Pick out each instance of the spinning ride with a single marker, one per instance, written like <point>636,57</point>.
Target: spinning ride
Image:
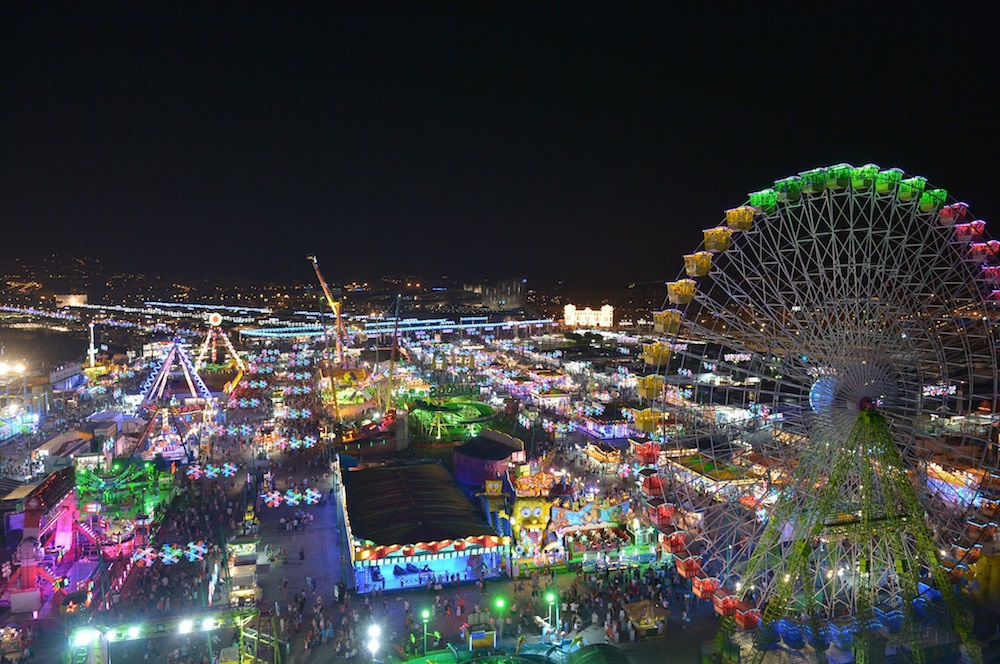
<point>177,418</point>
<point>828,369</point>
<point>448,420</point>
<point>208,354</point>
<point>158,387</point>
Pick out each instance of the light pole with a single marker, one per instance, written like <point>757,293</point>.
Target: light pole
<point>551,597</point>
<point>374,632</point>
<point>500,603</point>
<point>10,373</point>
<point>425,615</point>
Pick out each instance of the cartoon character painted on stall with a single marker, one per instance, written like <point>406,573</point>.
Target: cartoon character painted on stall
<point>530,522</point>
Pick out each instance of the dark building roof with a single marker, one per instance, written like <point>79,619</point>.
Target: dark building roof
<point>410,504</point>
<point>479,447</point>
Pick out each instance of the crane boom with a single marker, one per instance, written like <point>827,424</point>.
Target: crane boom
<point>334,304</point>
<point>392,357</point>
<point>335,308</point>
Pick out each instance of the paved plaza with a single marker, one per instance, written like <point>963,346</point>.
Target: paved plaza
<point>317,558</point>
<point>326,563</point>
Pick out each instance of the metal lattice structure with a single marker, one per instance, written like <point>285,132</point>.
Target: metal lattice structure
<point>209,351</point>
<point>835,290</point>
<point>154,388</point>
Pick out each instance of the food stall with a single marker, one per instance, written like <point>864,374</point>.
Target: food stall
<point>646,618</point>
<point>11,642</point>
<point>231,655</point>
<point>243,550</point>
<point>243,588</point>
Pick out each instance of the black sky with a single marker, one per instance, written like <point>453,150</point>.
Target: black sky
<point>586,142</point>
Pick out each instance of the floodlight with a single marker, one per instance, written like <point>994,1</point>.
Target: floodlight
<point>133,632</point>
<point>374,631</point>
<point>207,624</point>
<point>84,637</point>
<point>185,626</point>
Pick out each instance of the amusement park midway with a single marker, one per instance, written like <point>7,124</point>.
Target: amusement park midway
<point>305,571</point>
<point>793,459</point>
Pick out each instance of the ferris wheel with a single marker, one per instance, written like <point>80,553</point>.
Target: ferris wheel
<point>826,373</point>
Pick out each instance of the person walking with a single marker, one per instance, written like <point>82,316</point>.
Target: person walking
<point>302,554</point>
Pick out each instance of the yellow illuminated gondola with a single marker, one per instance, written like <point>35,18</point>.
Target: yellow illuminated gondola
<point>680,292</point>
<point>718,239</point>
<point>667,321</point>
<point>740,219</point>
<point>698,264</point>
<point>649,387</point>
<point>656,353</point>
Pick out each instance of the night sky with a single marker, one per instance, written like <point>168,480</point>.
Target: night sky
<point>550,140</point>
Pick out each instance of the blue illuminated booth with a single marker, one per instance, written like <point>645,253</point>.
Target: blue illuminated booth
<point>410,526</point>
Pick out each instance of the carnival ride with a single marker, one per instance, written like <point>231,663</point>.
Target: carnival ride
<point>208,354</point>
<point>449,420</point>
<point>175,423</point>
<point>157,388</point>
<point>830,353</point>
<point>72,522</point>
<point>168,435</point>
<point>50,502</point>
<point>353,391</point>
<point>121,503</point>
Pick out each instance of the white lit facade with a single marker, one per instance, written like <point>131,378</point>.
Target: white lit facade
<point>587,317</point>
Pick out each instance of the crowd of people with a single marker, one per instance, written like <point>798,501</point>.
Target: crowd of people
<point>15,463</point>
<point>199,514</point>
<point>325,616</point>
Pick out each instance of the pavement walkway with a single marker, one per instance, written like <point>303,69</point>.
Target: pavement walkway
<point>326,562</point>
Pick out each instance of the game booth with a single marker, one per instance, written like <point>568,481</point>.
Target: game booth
<point>535,545</point>
<point>410,526</point>
<point>536,494</point>
<point>528,484</point>
<point>593,535</point>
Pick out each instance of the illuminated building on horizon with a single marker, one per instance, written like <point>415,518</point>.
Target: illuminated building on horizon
<point>587,317</point>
